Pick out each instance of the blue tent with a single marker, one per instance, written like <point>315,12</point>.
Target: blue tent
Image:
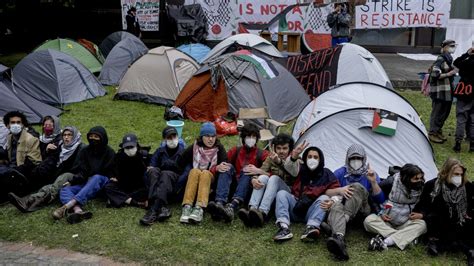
<point>196,50</point>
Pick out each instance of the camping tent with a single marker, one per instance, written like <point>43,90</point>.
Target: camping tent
<point>75,50</point>
<point>55,78</point>
<point>157,77</point>
<point>248,41</point>
<point>110,41</point>
<point>322,69</point>
<point>231,82</point>
<point>119,59</point>
<point>93,48</point>
<point>15,100</point>
<point>345,115</point>
<point>196,50</point>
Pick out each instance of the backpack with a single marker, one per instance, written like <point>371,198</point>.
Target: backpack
<point>173,113</point>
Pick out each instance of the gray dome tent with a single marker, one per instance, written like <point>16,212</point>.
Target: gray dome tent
<point>14,100</point>
<point>110,41</point>
<point>119,59</point>
<point>344,116</point>
<point>55,78</point>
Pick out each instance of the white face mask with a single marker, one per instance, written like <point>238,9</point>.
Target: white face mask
<point>15,129</point>
<point>312,164</point>
<point>130,152</point>
<point>250,142</point>
<point>173,143</point>
<point>451,50</point>
<point>456,180</point>
<point>355,164</point>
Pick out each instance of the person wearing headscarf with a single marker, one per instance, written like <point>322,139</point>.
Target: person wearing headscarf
<point>50,137</point>
<point>357,181</point>
<point>308,202</point>
<point>447,206</point>
<point>70,147</point>
<point>397,224</point>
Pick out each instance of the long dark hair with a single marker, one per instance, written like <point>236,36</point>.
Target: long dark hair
<point>318,172</point>
<point>408,171</point>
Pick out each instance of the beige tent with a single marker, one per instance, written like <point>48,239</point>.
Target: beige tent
<point>157,77</point>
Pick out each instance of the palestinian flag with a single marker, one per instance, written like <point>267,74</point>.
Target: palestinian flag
<point>384,122</point>
<point>263,66</point>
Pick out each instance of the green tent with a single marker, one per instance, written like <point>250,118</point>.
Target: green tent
<point>75,50</point>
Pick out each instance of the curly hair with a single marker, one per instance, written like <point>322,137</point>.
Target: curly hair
<point>282,139</point>
<point>249,130</point>
<point>6,118</point>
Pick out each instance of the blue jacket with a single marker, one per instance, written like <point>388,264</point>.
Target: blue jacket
<point>162,160</point>
<point>344,181</point>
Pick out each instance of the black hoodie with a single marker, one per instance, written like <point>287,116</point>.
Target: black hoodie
<point>94,159</point>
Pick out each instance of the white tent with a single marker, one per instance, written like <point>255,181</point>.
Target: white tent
<point>245,39</point>
<point>344,115</point>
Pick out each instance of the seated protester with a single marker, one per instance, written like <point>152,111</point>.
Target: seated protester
<point>246,161</point>
<point>357,181</point>
<point>94,166</point>
<point>162,177</point>
<point>23,154</point>
<point>3,134</point>
<point>208,158</point>
<point>127,187</point>
<point>69,148</point>
<point>279,171</point>
<point>398,224</point>
<point>307,203</point>
<point>49,140</point>
<point>447,206</point>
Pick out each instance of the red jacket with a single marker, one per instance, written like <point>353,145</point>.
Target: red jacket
<point>246,156</point>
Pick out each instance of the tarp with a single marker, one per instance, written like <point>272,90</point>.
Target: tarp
<point>321,70</point>
<point>196,50</point>
<point>74,49</point>
<point>189,21</point>
<point>344,115</point>
<point>55,78</point>
<point>231,82</point>
<point>119,59</point>
<point>157,77</point>
<point>112,39</point>
<point>246,40</point>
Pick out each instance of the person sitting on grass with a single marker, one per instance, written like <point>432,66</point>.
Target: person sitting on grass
<point>69,148</point>
<point>397,224</point>
<point>245,160</point>
<point>447,206</point>
<point>279,171</point>
<point>307,203</point>
<point>162,177</point>
<point>94,166</point>
<point>51,137</point>
<point>208,158</point>
<point>127,187</point>
<point>357,180</point>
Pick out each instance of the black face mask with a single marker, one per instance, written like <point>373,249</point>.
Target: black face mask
<point>94,142</point>
<point>417,185</point>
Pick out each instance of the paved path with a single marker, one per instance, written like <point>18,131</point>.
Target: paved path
<point>26,253</point>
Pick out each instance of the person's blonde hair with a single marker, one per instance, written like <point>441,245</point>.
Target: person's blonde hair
<point>447,169</point>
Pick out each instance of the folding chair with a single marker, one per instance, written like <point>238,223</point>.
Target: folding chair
<point>271,127</point>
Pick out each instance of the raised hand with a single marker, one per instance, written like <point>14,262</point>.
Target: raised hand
<point>299,149</point>
<point>371,176</point>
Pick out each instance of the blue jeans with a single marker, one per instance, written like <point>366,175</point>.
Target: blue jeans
<point>83,193</point>
<point>284,210</point>
<point>262,199</point>
<point>225,180</point>
<point>338,40</point>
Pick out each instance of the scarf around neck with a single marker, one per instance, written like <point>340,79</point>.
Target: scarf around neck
<point>455,199</point>
<point>204,159</point>
<point>68,150</point>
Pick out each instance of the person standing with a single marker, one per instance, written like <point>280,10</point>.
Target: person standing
<point>339,21</point>
<point>133,26</point>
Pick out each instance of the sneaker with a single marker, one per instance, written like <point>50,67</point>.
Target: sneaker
<point>283,234</point>
<point>432,248</point>
<point>256,217</point>
<point>326,229</point>
<point>227,213</point>
<point>60,212</point>
<point>243,215</point>
<point>196,215</point>
<point>457,146</point>
<point>165,214</point>
<point>187,209</point>
<point>377,244</point>
<point>337,247</point>
<point>311,233</point>
<point>441,136</point>
<point>213,209</point>
<point>149,218</point>
<point>435,138</point>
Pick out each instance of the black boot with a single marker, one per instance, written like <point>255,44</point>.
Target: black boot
<point>22,204</point>
<point>457,146</point>
<point>337,246</point>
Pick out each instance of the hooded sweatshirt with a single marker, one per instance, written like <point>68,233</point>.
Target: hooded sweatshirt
<point>54,138</point>
<point>94,159</point>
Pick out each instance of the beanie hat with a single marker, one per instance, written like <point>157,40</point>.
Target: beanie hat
<point>207,129</point>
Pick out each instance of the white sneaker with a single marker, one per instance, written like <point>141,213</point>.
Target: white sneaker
<point>187,209</point>
<point>196,215</point>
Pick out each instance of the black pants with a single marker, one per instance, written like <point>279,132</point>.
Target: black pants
<point>160,185</point>
<point>118,193</point>
<point>449,233</point>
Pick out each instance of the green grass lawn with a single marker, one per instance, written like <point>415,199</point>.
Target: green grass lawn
<point>116,233</point>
